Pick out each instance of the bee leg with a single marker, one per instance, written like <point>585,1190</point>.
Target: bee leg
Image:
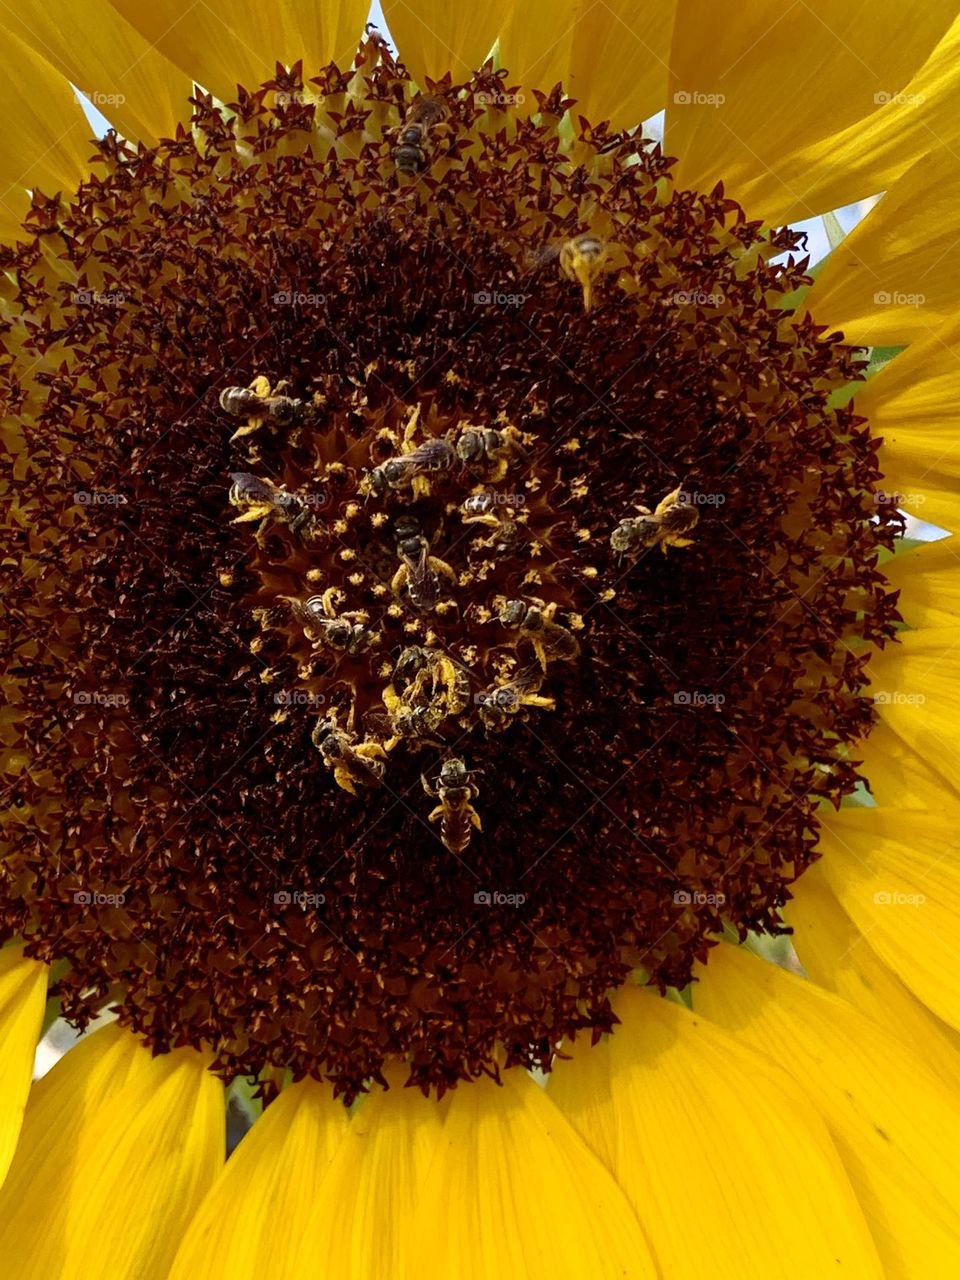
<point>342,778</point>
<point>666,503</point>
<point>399,580</point>
<point>501,469</point>
<point>431,791</point>
<point>441,566</point>
<point>437,813</point>
<point>475,819</point>
<point>259,512</point>
<point>420,486</point>
<point>541,653</point>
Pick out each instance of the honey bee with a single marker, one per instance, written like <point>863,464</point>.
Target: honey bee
<point>260,499</point>
<point>243,402</point>
<point>489,448</point>
<point>582,259</point>
<point>485,507</point>
<point>401,472</point>
<point>499,703</point>
<point>436,687</point>
<point>455,811</point>
<point>353,763</point>
<point>535,623</point>
<point>420,572</point>
<point>667,526</point>
<point>320,621</point>
<point>410,153</point>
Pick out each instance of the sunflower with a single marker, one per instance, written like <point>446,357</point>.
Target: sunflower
<point>473,716</point>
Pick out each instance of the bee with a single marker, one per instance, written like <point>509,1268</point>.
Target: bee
<point>410,153</point>
<point>260,499</point>
<point>667,526</point>
<point>582,259</point>
<point>412,660</point>
<point>535,623</point>
<point>455,811</point>
<point>486,447</point>
<point>420,572</point>
<point>437,688</point>
<point>485,507</point>
<point>243,402</point>
<point>353,763</point>
<point>499,703</point>
<point>401,472</point>
<point>320,621</point>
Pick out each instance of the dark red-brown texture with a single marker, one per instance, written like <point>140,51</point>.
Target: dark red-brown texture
<point>717,693</point>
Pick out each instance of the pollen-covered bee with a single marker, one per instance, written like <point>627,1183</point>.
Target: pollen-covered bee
<point>320,621</point>
<point>535,623</point>
<point>260,499</point>
<point>402,471</point>
<point>456,814</point>
<point>353,763</point>
<point>420,573</point>
<point>244,402</point>
<point>483,446</point>
<point>667,526</point>
<point>435,687</point>
<point>582,259</point>
<point>499,703</point>
<point>487,508</point>
<point>410,153</point>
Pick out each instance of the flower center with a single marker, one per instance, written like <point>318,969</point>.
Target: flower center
<point>441,584</point>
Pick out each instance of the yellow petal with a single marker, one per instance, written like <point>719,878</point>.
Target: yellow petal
<point>434,36</point>
<point>514,1192</point>
<point>45,138</point>
<point>117,1150</point>
<point>869,155</point>
<point>249,1225</point>
<point>896,277</point>
<point>375,1176</point>
<point>222,44</point>
<point>710,1140</point>
<point>839,958</point>
<point>139,91</point>
<point>611,57</point>
<point>928,579</point>
<point>915,685</point>
<point>897,1127</point>
<point>23,993</point>
<point>753,86</point>
<point>901,777</point>
<point>913,403</point>
<point>897,875</point>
